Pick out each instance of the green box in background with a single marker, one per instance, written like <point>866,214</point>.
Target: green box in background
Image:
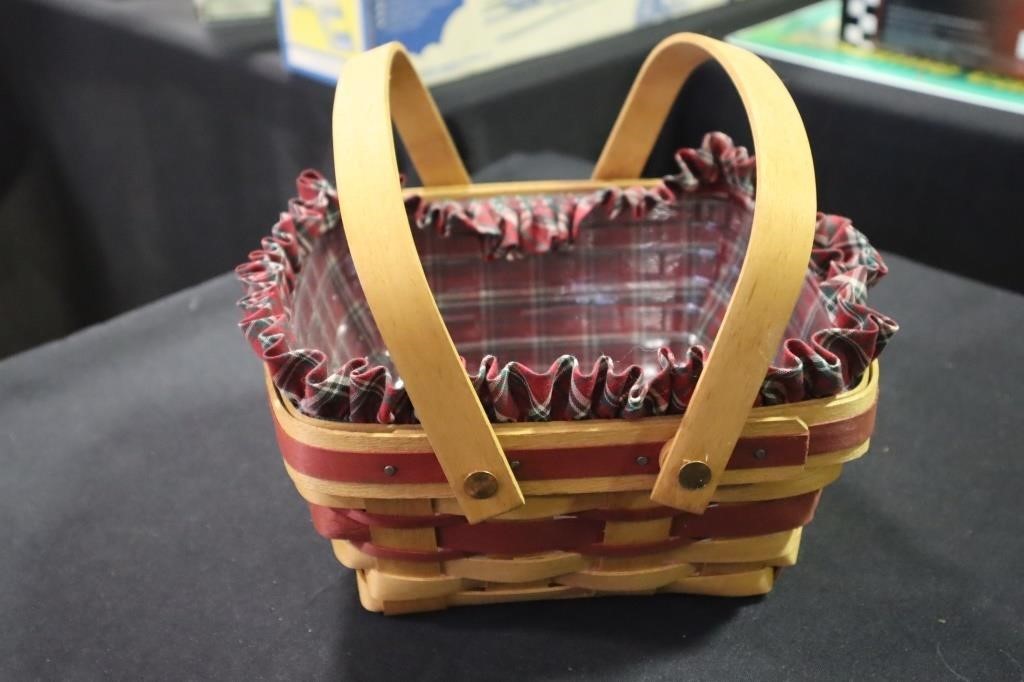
<point>811,37</point>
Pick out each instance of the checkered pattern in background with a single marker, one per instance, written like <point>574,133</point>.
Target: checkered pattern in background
<point>582,296</point>
<point>861,21</point>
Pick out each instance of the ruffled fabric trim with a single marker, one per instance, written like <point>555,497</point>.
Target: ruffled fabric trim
<point>842,262</point>
<point>512,227</point>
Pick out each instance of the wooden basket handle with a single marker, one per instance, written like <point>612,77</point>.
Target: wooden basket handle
<point>776,261</point>
<point>389,269</point>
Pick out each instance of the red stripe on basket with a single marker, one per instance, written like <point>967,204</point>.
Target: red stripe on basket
<point>581,533</point>
<point>357,467</point>
<point>521,537</point>
<point>396,521</point>
<point>754,518</point>
<point>769,451</point>
<point>335,524</point>
<point>567,463</point>
<point>840,435</point>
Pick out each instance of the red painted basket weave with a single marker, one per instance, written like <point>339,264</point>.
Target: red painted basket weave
<point>582,315</point>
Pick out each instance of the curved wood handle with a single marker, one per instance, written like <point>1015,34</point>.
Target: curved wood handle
<point>389,269</point>
<point>776,261</point>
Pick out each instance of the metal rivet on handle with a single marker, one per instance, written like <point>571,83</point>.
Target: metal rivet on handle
<point>642,460</point>
<point>694,475</point>
<point>760,453</point>
<point>480,485</point>
<point>390,470</point>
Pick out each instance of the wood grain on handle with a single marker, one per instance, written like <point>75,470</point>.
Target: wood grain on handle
<point>776,261</point>
<point>389,269</point>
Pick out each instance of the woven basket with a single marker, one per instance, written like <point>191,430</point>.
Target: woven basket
<point>443,506</point>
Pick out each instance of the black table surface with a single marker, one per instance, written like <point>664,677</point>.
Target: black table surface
<point>149,529</point>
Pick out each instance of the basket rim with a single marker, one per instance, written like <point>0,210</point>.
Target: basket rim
<point>846,405</point>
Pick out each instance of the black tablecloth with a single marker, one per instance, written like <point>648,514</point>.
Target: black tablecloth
<point>149,529</point>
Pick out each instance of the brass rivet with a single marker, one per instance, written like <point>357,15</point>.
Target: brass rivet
<point>480,485</point>
<point>642,460</point>
<point>760,453</point>
<point>694,475</point>
<point>390,470</point>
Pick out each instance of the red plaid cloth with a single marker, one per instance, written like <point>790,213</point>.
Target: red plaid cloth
<point>587,292</point>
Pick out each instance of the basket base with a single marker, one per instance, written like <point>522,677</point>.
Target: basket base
<point>741,567</point>
<point>744,584</point>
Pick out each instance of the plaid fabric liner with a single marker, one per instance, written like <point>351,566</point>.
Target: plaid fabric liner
<point>593,289</point>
